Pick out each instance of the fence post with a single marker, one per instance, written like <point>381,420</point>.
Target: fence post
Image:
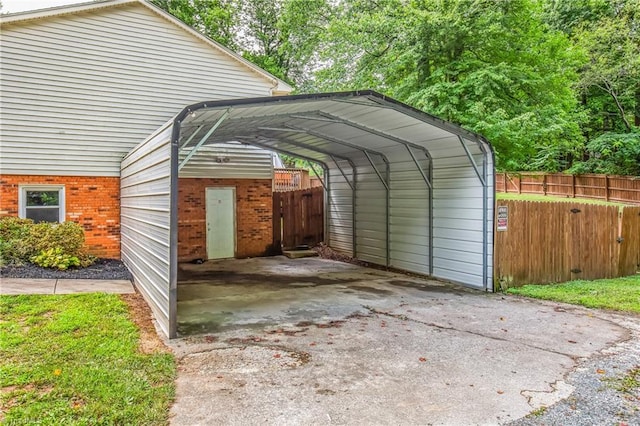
<point>544,184</point>
<point>520,184</point>
<point>573,186</point>
<point>606,187</point>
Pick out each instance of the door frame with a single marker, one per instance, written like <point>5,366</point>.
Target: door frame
<point>235,221</point>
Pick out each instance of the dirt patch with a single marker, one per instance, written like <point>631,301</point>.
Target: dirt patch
<point>140,315</point>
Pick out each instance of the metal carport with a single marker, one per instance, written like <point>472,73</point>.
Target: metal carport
<point>404,189</point>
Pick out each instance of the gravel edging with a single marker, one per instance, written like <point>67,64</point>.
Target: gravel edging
<point>102,269</point>
<point>597,399</point>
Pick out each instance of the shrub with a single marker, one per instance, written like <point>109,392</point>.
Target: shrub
<point>13,240</point>
<point>52,245</point>
<point>68,236</point>
<point>55,258</point>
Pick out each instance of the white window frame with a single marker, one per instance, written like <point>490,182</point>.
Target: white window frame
<point>22,198</point>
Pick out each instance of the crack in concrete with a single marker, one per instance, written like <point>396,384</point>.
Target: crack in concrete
<point>555,389</point>
<point>475,333</point>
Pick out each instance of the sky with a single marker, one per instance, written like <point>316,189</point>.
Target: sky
<point>12,6</point>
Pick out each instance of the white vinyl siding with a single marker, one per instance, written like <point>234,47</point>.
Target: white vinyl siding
<point>80,91</point>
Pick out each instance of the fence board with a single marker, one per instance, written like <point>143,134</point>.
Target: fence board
<point>556,242</point>
<point>630,241</point>
<point>298,217</point>
<point>624,189</point>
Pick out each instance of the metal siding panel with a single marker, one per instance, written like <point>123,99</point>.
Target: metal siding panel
<point>340,212</point>
<point>145,199</point>
<point>99,83</point>
<point>244,162</point>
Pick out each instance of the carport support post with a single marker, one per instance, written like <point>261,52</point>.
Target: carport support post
<point>353,201</point>
<point>483,177</point>
<point>427,180</point>
<point>385,182</point>
<point>485,218</point>
<point>173,232</point>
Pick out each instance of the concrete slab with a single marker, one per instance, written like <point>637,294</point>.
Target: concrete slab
<point>312,341</point>
<point>16,286</point>
<point>72,286</point>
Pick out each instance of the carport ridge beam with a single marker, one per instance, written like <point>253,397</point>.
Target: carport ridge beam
<point>204,139</point>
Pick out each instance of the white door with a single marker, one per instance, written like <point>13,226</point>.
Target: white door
<point>221,223</point>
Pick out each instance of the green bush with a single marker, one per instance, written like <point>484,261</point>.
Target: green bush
<point>55,258</point>
<point>52,245</point>
<point>14,232</point>
<point>68,236</point>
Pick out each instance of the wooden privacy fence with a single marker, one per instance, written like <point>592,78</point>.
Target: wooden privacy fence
<point>298,217</point>
<point>293,179</point>
<point>625,189</point>
<point>542,242</point>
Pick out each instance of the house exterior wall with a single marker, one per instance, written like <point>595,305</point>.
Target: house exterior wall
<point>254,212</point>
<point>79,91</point>
<point>93,202</point>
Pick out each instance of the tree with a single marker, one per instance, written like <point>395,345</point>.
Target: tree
<point>217,19</point>
<point>280,36</point>
<point>609,82</point>
<point>493,67</point>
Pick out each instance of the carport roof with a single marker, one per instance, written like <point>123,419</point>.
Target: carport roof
<point>322,127</point>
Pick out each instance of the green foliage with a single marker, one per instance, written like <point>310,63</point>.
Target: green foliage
<point>13,234</point>
<point>74,360</point>
<point>50,245</point>
<point>217,19</point>
<point>492,67</point>
<point>612,153</point>
<point>545,81</point>
<point>620,294</point>
<point>55,258</point>
<point>68,236</point>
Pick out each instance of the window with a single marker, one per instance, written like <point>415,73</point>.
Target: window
<point>42,203</point>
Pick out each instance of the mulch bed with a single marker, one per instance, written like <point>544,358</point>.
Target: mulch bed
<point>102,269</point>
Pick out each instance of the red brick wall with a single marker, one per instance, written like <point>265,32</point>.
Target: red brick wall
<point>254,209</point>
<point>93,202</point>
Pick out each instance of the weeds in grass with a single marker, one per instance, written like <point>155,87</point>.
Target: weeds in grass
<point>74,359</point>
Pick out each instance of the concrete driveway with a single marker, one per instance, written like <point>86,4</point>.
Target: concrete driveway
<point>312,341</point>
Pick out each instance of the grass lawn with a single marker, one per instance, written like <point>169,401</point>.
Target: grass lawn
<point>77,359</point>
<point>620,294</point>
<point>552,198</point>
